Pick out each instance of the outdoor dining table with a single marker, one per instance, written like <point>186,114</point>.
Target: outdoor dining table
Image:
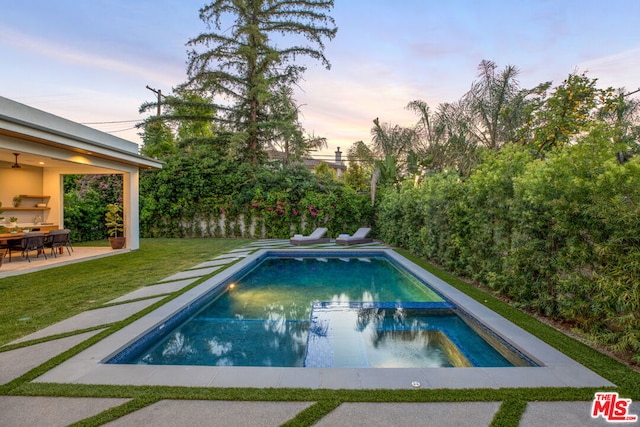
<point>17,236</point>
<point>6,237</point>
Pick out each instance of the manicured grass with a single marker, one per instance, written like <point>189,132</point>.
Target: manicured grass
<point>161,257</point>
<point>33,301</point>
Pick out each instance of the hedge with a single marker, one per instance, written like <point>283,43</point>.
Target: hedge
<point>559,235</point>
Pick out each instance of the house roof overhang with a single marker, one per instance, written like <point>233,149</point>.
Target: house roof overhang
<point>28,127</point>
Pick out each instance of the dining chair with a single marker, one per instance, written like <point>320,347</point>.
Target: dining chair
<point>11,246</point>
<point>4,248</point>
<point>58,239</point>
<point>32,242</point>
<point>68,242</point>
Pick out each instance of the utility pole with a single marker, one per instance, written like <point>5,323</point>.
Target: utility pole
<point>160,95</point>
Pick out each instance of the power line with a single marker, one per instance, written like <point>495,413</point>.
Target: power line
<point>107,123</point>
<point>116,131</point>
<point>631,93</point>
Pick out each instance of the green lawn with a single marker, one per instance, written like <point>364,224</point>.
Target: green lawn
<point>49,296</point>
<point>35,300</point>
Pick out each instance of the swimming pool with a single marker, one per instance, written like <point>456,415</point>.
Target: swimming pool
<point>554,369</point>
<point>323,310</point>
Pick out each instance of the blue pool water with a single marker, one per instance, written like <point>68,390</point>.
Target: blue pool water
<point>324,312</point>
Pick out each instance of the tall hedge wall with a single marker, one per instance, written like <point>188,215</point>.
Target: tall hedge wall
<point>559,235</point>
<point>196,196</point>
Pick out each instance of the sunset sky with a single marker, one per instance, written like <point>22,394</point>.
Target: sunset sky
<point>90,61</point>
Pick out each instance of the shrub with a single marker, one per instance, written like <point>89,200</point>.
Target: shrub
<point>559,235</point>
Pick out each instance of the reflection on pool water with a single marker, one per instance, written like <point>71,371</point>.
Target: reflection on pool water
<point>403,335</point>
<point>324,312</point>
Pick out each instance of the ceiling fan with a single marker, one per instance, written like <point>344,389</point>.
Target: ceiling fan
<point>16,165</point>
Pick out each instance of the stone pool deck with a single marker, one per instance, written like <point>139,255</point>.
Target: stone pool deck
<point>60,411</point>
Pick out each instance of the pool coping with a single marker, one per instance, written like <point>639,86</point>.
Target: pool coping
<point>556,370</point>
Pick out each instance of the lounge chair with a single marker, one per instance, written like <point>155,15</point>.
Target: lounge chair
<point>358,237</point>
<point>315,237</point>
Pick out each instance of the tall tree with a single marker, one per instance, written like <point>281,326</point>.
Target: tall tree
<point>186,121</point>
<point>494,112</point>
<point>444,140</point>
<point>391,140</point>
<point>496,105</point>
<point>571,109</point>
<point>249,54</point>
<point>393,147</point>
<point>287,134</point>
<point>356,176</point>
<point>194,115</point>
<point>158,140</point>
<point>622,113</point>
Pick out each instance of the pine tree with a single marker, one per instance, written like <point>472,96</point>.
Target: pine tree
<point>249,56</point>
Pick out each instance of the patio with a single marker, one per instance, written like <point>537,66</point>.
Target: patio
<point>20,265</point>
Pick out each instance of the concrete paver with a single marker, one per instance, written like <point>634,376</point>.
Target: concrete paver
<point>440,414</point>
<point>567,414</point>
<point>21,411</point>
<point>188,274</point>
<point>212,263</point>
<point>15,363</point>
<point>227,258</point>
<point>159,289</point>
<point>240,252</point>
<point>268,244</point>
<point>91,318</point>
<point>171,413</point>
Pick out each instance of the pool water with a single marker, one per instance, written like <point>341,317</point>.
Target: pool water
<point>323,312</point>
<point>394,336</point>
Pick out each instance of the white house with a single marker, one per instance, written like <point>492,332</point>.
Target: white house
<point>46,147</point>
